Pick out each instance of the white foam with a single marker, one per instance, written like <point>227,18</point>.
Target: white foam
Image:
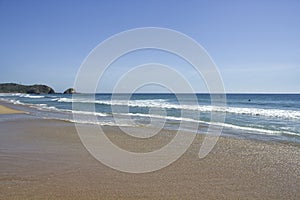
<point>160,117</point>
<point>52,108</point>
<point>31,96</point>
<point>93,123</point>
<point>17,102</point>
<point>227,125</point>
<point>22,95</point>
<point>160,103</point>
<point>224,125</point>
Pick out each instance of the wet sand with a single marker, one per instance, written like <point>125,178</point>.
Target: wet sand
<point>44,159</point>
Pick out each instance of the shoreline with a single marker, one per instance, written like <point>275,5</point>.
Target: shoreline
<point>239,134</point>
<point>44,158</point>
<point>7,110</point>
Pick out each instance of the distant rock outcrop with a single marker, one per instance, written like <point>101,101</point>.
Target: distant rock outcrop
<point>70,91</point>
<point>29,89</point>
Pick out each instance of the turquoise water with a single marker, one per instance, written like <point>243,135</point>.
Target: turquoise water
<point>258,116</point>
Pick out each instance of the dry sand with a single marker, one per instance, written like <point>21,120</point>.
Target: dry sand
<point>44,159</point>
<point>7,110</point>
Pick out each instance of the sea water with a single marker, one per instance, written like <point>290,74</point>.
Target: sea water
<point>256,116</point>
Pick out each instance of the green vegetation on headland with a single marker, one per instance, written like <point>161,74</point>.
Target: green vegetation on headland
<point>30,89</point>
<point>70,91</point>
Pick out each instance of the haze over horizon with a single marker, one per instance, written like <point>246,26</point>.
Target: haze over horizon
<point>255,44</point>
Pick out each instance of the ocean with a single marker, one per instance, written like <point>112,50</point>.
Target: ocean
<point>269,117</point>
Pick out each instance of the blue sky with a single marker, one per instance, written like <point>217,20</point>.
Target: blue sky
<point>255,44</point>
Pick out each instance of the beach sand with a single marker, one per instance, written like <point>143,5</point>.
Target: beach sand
<point>44,159</point>
<point>7,110</point>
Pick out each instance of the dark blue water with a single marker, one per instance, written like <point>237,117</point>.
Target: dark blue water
<point>259,116</point>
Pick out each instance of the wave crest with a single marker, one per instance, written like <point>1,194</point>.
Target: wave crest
<point>161,103</point>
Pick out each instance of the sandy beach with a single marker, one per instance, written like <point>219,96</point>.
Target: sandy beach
<point>44,159</point>
<point>149,100</point>
<point>7,110</point>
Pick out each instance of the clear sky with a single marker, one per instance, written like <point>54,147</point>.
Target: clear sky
<point>255,44</point>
